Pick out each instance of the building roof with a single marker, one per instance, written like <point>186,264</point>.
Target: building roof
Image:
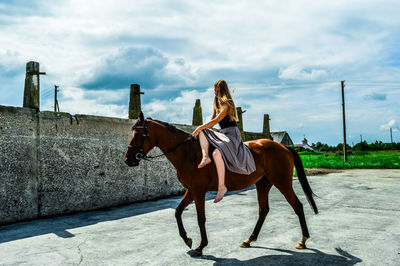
<point>304,145</point>
<point>278,136</point>
<point>282,137</point>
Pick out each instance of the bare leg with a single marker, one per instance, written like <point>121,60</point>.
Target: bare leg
<point>219,163</point>
<point>204,150</point>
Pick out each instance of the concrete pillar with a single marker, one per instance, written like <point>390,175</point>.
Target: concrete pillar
<point>197,114</point>
<point>134,101</point>
<point>240,122</point>
<point>266,129</point>
<point>32,87</point>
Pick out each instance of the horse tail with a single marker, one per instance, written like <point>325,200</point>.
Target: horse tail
<point>303,179</point>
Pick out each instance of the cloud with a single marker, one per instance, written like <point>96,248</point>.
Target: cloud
<point>180,109</point>
<point>22,8</point>
<point>297,72</point>
<point>142,65</point>
<point>79,101</point>
<point>285,59</point>
<point>12,78</point>
<point>375,96</point>
<point>391,124</point>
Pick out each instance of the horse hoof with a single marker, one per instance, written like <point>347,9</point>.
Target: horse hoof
<point>189,242</point>
<point>245,244</point>
<point>197,252</point>
<point>301,246</point>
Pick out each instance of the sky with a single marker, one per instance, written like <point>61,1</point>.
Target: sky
<point>282,58</point>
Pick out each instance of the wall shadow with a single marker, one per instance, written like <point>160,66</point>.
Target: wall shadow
<point>59,225</point>
<point>290,258</point>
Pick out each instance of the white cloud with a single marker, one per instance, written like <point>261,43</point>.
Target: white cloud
<point>284,58</point>
<point>297,72</point>
<point>391,124</point>
<point>180,109</point>
<point>79,101</point>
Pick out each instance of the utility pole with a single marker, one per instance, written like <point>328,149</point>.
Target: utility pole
<point>32,85</point>
<point>391,137</point>
<point>134,101</point>
<point>56,106</point>
<point>266,129</point>
<point>344,124</point>
<point>361,137</point>
<point>197,114</point>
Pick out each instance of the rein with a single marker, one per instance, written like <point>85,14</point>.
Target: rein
<point>140,153</point>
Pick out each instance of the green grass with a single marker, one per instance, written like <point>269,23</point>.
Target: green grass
<point>366,160</point>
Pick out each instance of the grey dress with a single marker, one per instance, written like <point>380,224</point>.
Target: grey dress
<point>237,156</point>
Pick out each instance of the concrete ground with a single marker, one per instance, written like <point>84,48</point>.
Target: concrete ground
<point>359,223</point>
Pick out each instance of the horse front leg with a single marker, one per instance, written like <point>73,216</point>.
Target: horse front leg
<point>186,200</point>
<point>199,200</point>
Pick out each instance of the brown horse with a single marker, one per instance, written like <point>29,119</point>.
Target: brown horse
<point>274,163</point>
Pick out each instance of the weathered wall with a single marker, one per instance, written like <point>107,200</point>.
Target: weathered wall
<point>54,163</point>
<point>18,164</point>
<point>254,135</point>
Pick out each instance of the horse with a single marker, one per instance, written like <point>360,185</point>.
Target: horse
<point>274,167</point>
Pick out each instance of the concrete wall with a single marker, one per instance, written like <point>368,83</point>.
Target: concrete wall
<point>55,163</point>
<point>254,135</point>
<point>18,164</point>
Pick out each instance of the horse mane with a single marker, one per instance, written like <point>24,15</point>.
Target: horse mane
<point>169,126</point>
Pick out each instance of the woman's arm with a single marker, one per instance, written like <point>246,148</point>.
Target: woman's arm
<point>213,114</point>
<point>212,122</point>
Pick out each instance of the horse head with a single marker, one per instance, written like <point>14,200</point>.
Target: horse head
<point>140,143</point>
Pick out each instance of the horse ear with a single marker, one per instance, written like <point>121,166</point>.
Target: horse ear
<point>141,117</point>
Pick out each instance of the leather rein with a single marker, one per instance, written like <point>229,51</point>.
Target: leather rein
<point>140,155</point>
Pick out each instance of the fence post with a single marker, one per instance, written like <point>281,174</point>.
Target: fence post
<point>197,114</point>
<point>240,122</point>
<point>134,101</point>
<point>266,129</point>
<point>32,86</point>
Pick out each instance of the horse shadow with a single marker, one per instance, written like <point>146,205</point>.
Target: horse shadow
<point>290,258</point>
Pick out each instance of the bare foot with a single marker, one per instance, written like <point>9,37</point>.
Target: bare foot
<point>204,161</point>
<point>220,194</point>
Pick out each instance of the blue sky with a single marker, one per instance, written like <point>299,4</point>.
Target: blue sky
<point>284,58</point>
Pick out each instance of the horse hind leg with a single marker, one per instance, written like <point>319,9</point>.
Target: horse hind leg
<point>263,186</point>
<point>298,209</point>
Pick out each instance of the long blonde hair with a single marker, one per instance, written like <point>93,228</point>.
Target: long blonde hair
<point>224,97</point>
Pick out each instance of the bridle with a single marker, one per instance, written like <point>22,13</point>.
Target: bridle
<point>139,151</point>
<point>140,154</point>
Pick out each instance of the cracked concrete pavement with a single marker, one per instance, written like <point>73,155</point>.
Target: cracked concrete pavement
<point>359,223</point>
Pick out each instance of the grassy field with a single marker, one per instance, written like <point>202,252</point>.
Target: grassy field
<point>367,160</point>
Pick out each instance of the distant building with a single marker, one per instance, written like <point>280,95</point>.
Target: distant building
<point>282,137</point>
<point>304,146</point>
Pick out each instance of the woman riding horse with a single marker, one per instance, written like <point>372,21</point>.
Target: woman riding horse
<point>265,163</point>
<point>229,147</point>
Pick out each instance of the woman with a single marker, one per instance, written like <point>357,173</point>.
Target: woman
<point>230,151</point>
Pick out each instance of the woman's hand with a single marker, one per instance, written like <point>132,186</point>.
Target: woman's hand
<point>196,132</point>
